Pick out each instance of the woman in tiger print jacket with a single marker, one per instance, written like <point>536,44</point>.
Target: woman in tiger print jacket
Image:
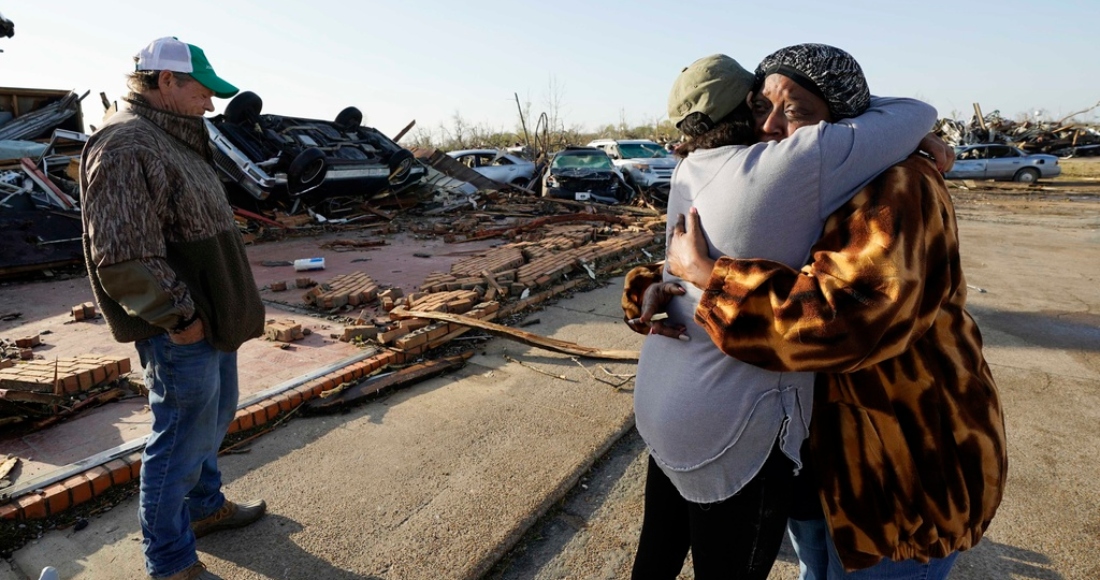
<point>907,435</point>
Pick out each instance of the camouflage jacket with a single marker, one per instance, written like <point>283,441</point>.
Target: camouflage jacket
<point>907,434</point>
<point>160,240</point>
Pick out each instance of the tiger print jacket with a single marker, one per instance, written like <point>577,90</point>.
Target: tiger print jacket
<point>907,433</point>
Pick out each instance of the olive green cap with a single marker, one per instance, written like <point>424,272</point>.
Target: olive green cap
<point>713,85</point>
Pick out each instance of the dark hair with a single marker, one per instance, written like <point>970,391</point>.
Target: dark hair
<point>140,81</point>
<point>736,128</point>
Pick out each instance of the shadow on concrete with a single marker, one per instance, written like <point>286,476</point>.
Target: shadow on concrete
<point>279,557</point>
<point>1051,329</point>
<point>995,560</point>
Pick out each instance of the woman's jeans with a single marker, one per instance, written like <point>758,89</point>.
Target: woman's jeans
<point>193,397</point>
<point>818,558</point>
<point>735,538</point>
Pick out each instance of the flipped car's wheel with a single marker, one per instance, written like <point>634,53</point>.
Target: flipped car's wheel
<point>244,107</point>
<point>307,170</point>
<point>349,119</point>
<point>1027,175</point>
<point>401,164</point>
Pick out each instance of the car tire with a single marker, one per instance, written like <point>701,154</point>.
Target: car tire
<point>349,119</point>
<point>1026,175</point>
<point>401,164</point>
<point>244,108</point>
<point>307,170</point>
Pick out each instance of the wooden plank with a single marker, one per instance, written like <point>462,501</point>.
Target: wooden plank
<point>530,339</point>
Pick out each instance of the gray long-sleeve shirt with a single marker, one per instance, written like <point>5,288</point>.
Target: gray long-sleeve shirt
<point>709,420</point>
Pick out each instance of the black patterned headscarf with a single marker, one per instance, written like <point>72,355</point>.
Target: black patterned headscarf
<point>824,70</point>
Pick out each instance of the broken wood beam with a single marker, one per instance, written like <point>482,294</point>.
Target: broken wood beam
<point>530,339</point>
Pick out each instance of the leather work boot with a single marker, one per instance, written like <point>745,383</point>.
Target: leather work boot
<point>230,515</point>
<point>196,571</point>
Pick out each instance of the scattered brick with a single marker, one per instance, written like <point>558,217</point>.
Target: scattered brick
<point>28,341</point>
<point>283,331</point>
<point>354,289</point>
<point>278,286</point>
<point>353,332</point>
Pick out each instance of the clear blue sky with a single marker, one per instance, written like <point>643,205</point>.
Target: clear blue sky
<point>428,59</point>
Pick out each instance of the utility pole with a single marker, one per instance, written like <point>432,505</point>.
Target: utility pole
<point>522,122</point>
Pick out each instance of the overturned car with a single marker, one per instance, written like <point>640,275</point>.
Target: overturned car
<point>585,174</point>
<point>289,156</point>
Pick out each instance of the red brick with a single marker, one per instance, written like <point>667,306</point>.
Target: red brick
<point>77,312</point>
<point>57,498</point>
<point>85,379</point>
<point>245,419</point>
<point>438,332</point>
<point>271,408</point>
<point>100,479</point>
<point>80,488</point>
<point>123,365</point>
<point>32,506</point>
<point>99,374</point>
<point>259,414</point>
<point>9,511</point>
<point>295,398</point>
<point>119,470</point>
<point>353,332</point>
<point>111,368</point>
<point>410,341</point>
<point>285,403</point>
<point>307,391</point>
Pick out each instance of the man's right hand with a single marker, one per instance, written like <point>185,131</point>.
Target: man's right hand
<point>656,298</point>
<point>193,333</point>
<point>939,150</point>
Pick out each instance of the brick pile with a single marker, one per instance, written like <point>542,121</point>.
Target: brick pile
<point>72,374</point>
<point>283,331</point>
<point>436,334</point>
<point>494,261</point>
<point>355,289</point>
<point>84,311</point>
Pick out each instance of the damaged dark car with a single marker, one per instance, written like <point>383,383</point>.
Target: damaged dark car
<point>274,155</point>
<point>585,174</point>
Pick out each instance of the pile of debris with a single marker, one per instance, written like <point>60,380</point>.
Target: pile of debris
<point>1062,137</point>
<point>41,136</point>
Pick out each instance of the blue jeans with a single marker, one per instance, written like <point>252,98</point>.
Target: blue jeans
<point>193,397</point>
<point>818,558</point>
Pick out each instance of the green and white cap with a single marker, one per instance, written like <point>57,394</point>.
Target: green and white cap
<point>170,54</point>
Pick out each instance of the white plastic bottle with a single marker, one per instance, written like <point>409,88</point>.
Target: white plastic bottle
<point>306,264</point>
